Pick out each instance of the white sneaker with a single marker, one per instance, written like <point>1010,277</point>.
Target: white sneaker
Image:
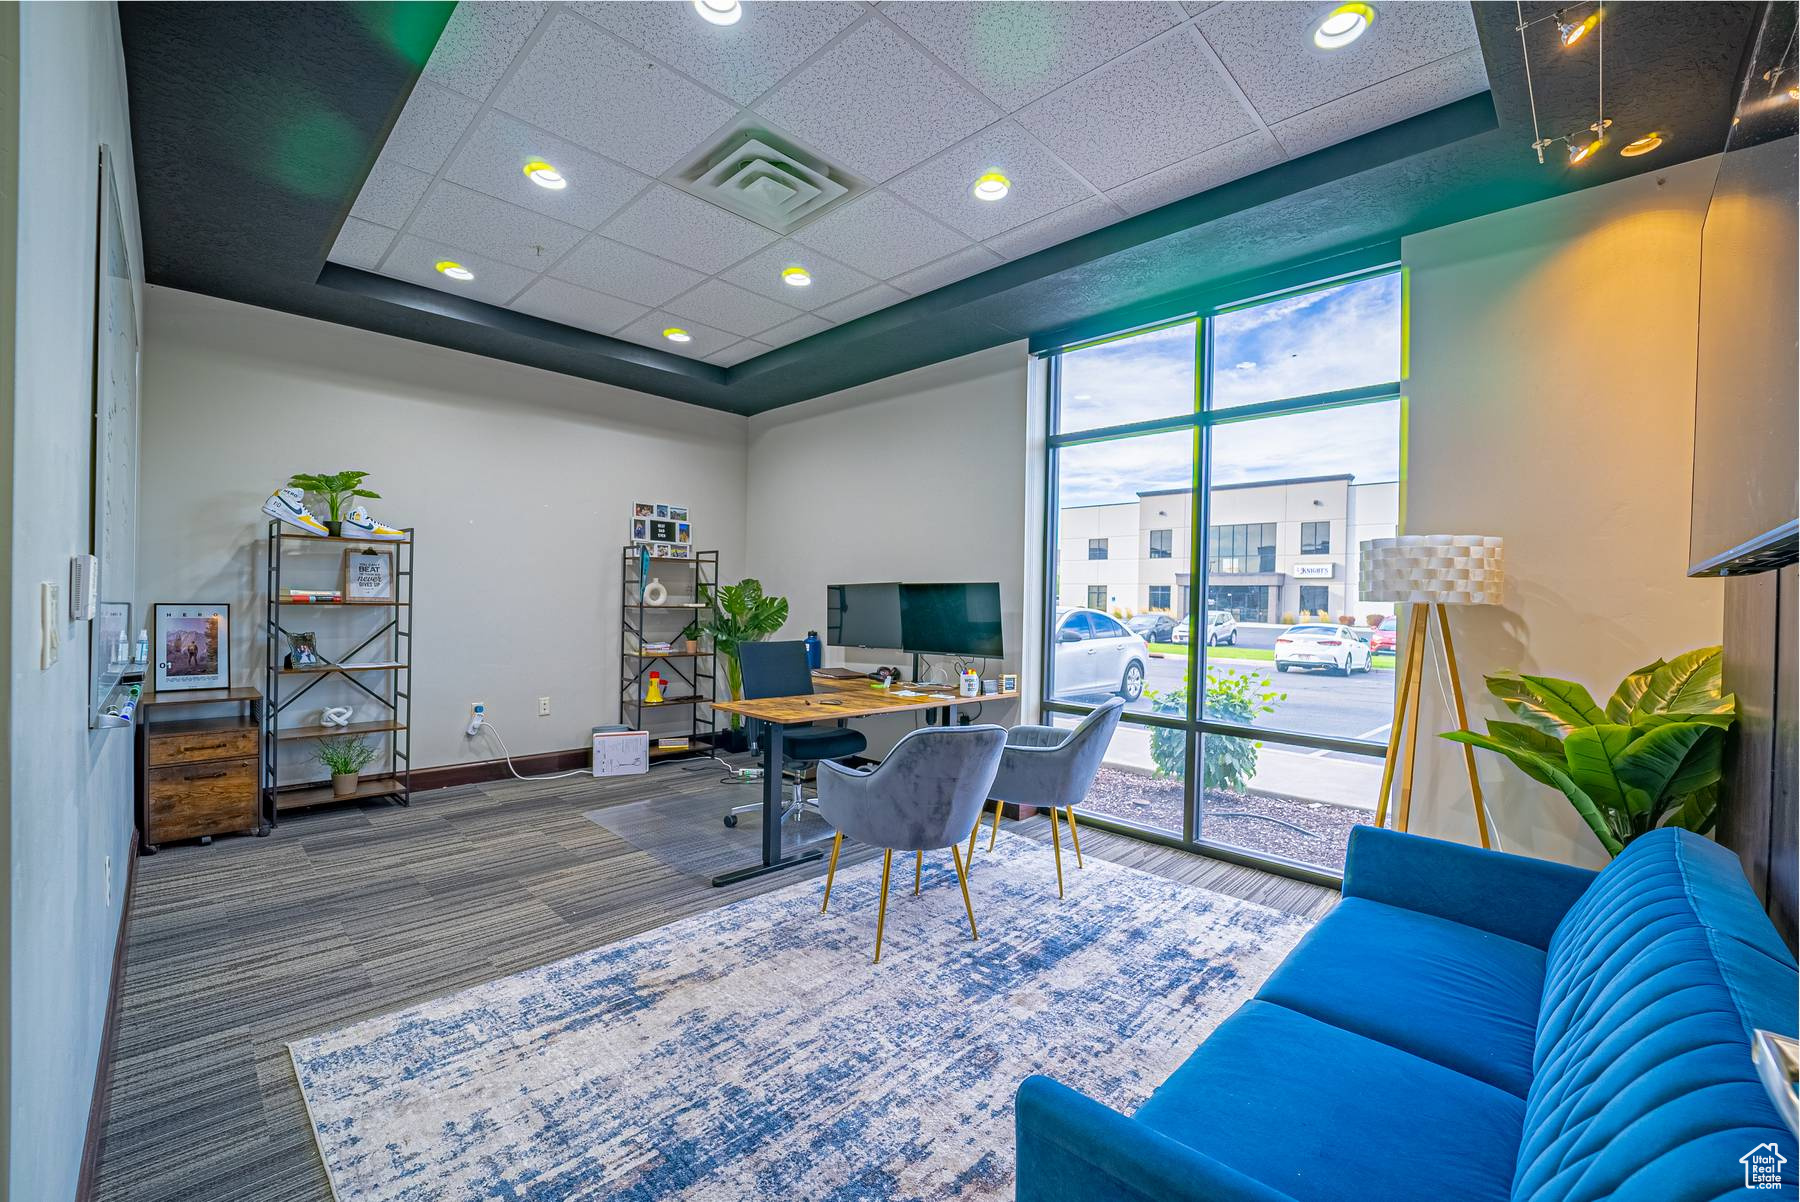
<point>289,505</point>
<point>358,524</point>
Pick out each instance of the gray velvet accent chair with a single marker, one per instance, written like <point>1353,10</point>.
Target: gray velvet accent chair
<point>927,791</point>
<point>1052,767</point>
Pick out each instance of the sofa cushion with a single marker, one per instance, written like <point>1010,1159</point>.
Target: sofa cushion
<point>1459,996</point>
<point>1644,1086</point>
<point>1326,1115</point>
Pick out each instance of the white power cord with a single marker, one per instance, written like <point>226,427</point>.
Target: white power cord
<point>481,723</point>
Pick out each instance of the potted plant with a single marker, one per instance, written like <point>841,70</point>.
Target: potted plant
<point>691,635</point>
<point>737,614</point>
<point>1649,757</point>
<point>345,758</point>
<point>336,489</point>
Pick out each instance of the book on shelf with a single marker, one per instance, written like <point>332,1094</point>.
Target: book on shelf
<point>312,596</point>
<point>656,648</point>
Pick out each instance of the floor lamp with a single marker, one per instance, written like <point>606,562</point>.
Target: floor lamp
<point>1428,573</point>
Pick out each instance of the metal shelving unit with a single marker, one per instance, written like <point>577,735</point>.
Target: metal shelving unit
<point>386,681</point>
<point>693,683</point>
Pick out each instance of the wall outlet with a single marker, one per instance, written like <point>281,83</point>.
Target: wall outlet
<point>477,716</point>
<point>543,707</point>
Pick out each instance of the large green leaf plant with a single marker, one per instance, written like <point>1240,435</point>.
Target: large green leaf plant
<point>1649,757</point>
<point>336,489</point>
<point>739,613</point>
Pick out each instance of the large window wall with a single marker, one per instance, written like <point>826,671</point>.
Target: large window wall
<point>1248,451</point>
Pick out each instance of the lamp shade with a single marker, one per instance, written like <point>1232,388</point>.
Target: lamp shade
<point>1436,569</point>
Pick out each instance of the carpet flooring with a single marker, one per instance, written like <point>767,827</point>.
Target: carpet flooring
<point>347,913</point>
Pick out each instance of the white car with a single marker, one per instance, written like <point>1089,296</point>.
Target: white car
<point>1221,629</point>
<point>1316,645</point>
<point>1096,654</point>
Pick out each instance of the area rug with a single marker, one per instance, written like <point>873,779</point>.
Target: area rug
<point>754,1051</point>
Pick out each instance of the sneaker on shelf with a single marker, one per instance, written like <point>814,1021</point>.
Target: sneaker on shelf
<point>289,505</point>
<point>358,524</point>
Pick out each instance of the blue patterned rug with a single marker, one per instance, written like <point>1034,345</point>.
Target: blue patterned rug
<point>755,1052</point>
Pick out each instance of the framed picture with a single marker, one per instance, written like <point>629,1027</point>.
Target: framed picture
<point>303,649</point>
<point>681,551</point>
<point>662,511</point>
<point>640,530</point>
<point>192,646</point>
<point>682,532</point>
<point>368,575</point>
<point>659,550</point>
<point>642,509</point>
<point>678,513</point>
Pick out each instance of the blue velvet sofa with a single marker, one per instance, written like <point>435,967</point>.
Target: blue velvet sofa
<point>1472,1025</point>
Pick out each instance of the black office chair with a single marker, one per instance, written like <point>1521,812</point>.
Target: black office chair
<point>780,670</point>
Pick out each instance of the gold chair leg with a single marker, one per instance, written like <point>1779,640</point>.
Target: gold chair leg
<point>887,862</point>
<point>973,831</point>
<point>918,871</point>
<point>1056,841</point>
<point>831,870</point>
<point>962,878</point>
<point>995,833</point>
<point>1074,835</point>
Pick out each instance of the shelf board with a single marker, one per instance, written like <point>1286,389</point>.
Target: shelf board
<point>669,654</point>
<point>382,666</point>
<point>328,732</point>
<point>285,537</point>
<point>689,699</point>
<point>322,604</point>
<point>296,797</point>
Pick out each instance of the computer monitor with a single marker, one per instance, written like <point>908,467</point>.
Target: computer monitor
<point>862,615</point>
<point>951,619</point>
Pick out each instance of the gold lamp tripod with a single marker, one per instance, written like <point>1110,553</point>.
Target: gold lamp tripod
<point>1429,573</point>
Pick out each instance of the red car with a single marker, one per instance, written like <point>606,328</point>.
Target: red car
<point>1383,637</point>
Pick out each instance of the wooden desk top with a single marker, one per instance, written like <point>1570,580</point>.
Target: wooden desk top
<point>834,699</point>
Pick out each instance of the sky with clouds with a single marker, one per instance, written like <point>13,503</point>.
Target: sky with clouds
<point>1320,341</point>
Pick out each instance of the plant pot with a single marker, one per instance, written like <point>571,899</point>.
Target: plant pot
<point>693,646</point>
<point>343,784</point>
<point>334,529</point>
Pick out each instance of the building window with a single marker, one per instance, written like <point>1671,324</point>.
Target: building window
<point>1159,596</point>
<point>1315,538</point>
<point>1162,544</point>
<point>1096,548</point>
<point>1241,550</point>
<point>1315,599</point>
<point>1096,596</point>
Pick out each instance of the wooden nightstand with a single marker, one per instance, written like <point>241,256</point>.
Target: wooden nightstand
<point>199,777</point>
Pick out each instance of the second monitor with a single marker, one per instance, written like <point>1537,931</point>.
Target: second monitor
<point>931,619</point>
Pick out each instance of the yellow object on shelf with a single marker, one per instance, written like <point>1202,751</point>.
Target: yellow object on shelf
<point>653,690</point>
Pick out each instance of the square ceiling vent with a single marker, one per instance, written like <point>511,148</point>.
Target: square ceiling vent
<point>767,179</point>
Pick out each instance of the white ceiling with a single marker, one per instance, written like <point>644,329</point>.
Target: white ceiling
<point>1095,111</point>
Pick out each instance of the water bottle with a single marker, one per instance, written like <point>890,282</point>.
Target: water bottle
<point>815,650</point>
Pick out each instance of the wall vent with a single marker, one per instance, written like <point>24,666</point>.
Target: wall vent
<point>765,178</point>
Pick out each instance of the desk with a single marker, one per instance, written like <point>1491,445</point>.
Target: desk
<point>831,701</point>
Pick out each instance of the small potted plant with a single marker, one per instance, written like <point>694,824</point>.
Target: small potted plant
<point>691,634</point>
<point>345,758</point>
<point>336,489</point>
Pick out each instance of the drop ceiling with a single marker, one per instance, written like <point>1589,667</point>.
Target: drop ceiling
<point>320,158</point>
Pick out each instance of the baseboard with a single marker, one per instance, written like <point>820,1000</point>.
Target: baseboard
<point>445,776</point>
<point>97,1108</point>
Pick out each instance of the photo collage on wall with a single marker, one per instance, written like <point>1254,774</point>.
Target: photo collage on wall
<point>665,528</point>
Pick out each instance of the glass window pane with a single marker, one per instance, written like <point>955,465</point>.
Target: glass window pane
<point>1331,339</point>
<point>1286,802</point>
<point>1141,778</point>
<point>1132,379</point>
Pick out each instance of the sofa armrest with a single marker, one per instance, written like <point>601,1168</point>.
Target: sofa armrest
<point>1518,897</point>
<point>1073,1149</point>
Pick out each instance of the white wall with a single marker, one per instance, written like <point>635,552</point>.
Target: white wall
<point>70,790</point>
<point>519,481</point>
<point>1551,402</point>
<point>917,477</point>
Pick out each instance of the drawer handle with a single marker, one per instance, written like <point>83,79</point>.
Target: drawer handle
<point>207,746</point>
<point>207,775</point>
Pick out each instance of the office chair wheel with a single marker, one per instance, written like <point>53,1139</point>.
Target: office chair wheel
<point>731,820</point>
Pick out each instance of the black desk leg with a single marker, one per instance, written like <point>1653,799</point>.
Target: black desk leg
<point>772,860</point>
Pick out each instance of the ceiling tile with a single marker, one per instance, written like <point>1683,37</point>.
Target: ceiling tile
<point>1271,53</point>
<point>728,307</point>
<point>485,226</point>
<point>944,186</point>
<point>583,308</point>
<point>415,259</point>
<point>1155,106</point>
<point>1017,52</point>
<point>1391,100</point>
<point>433,119</point>
<point>390,194</point>
<point>493,160</point>
<point>478,44</point>
<point>880,236</point>
<point>622,271</point>
<point>1196,7</point>
<point>589,87</point>
<point>731,356</point>
<point>961,265</point>
<point>648,331</point>
<point>831,280</point>
<point>1208,169</point>
<point>668,222</point>
<point>1082,217</point>
<point>743,60</point>
<point>876,104</point>
<point>361,244</point>
<point>862,304</point>
<point>803,326</point>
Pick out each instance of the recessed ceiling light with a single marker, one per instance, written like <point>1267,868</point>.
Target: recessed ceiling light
<point>1570,33</point>
<point>455,270</point>
<point>719,12</point>
<point>545,176</point>
<point>1343,25</point>
<point>796,277</point>
<point>676,333</point>
<point>1643,145</point>
<point>992,186</point>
